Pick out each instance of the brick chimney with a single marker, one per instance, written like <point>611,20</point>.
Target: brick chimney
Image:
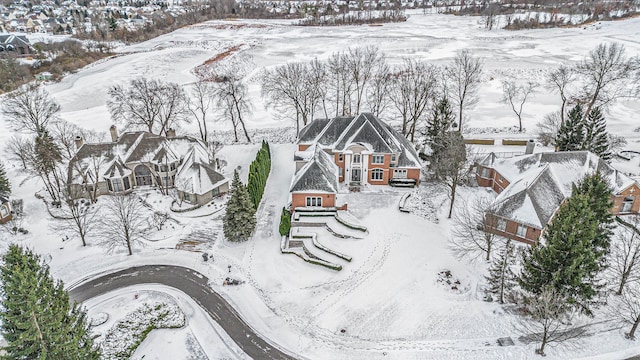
<point>114,133</point>
<point>78,141</point>
<point>171,133</point>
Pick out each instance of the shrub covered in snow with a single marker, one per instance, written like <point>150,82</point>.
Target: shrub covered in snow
<point>127,334</point>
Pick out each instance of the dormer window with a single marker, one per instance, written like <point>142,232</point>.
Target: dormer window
<point>173,166</point>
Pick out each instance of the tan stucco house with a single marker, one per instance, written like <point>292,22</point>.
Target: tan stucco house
<point>142,159</point>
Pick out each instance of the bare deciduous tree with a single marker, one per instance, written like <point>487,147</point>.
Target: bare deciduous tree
<point>123,222</point>
<point>463,78</point>
<point>414,88</point>
<point>199,104</point>
<point>547,129</point>
<point>30,109</point>
<point>66,133</point>
<point>549,319</point>
<point>629,309</point>
<point>21,149</point>
<point>625,254</point>
<point>79,216</point>
<point>559,80</point>
<point>231,96</point>
<point>516,96</point>
<point>607,73</point>
<point>153,105</point>
<point>453,166</point>
<point>470,238</point>
<point>378,93</point>
<point>287,89</point>
<point>340,83</point>
<point>361,64</point>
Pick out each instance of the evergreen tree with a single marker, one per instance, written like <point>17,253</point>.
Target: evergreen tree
<point>501,277</point>
<point>240,218</point>
<point>596,138</point>
<point>571,133</point>
<point>438,124</point>
<point>5,185</point>
<point>38,321</point>
<point>258,174</point>
<point>584,132</point>
<point>285,222</point>
<point>567,261</point>
<point>599,195</point>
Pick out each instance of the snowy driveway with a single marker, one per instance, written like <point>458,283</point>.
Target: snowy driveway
<point>194,285</point>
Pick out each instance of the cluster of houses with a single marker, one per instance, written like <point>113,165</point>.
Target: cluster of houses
<point>364,151</point>
<point>341,155</point>
<point>71,17</point>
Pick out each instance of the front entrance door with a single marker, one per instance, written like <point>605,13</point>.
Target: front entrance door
<point>355,175</point>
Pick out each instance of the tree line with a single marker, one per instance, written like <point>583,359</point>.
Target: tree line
<point>360,80</point>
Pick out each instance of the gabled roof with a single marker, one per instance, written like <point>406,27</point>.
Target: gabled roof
<point>320,174</point>
<point>539,183</point>
<point>196,176</point>
<point>341,132</point>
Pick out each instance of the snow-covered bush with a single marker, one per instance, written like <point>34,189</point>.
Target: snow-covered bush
<point>126,335</point>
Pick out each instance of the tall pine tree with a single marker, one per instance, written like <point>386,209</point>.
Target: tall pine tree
<point>438,125</point>
<point>240,218</point>
<point>599,194</point>
<point>584,132</point>
<point>38,321</point>
<point>596,138</point>
<point>571,133</point>
<point>501,277</point>
<point>5,185</point>
<point>566,261</point>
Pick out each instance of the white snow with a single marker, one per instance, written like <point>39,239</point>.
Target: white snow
<point>388,299</point>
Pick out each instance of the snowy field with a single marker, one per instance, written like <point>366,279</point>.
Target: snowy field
<point>388,300</point>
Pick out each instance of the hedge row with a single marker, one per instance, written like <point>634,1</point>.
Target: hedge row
<point>258,174</point>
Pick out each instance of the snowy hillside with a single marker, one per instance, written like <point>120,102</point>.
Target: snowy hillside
<point>404,295</point>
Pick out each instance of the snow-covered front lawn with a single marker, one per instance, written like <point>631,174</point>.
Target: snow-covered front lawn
<point>392,301</point>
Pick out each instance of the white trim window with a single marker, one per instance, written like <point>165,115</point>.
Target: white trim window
<point>400,173</point>
<point>4,212</point>
<point>356,158</point>
<point>394,158</point>
<point>522,231</point>
<point>377,175</point>
<point>377,159</point>
<point>117,185</point>
<point>314,201</point>
<point>502,225</point>
<point>485,173</point>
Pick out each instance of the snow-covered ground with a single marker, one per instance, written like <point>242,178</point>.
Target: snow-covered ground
<point>388,300</point>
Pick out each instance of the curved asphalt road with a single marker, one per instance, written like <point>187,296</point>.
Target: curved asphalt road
<point>193,284</point>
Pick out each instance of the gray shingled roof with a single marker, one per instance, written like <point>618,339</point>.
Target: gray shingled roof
<point>340,132</point>
<point>539,183</point>
<point>310,132</point>
<point>320,174</point>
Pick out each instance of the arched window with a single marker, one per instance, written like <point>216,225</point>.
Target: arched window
<point>377,175</point>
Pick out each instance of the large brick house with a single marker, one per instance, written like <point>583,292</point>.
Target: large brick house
<point>142,159</point>
<point>316,181</point>
<point>365,149</point>
<point>531,188</point>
